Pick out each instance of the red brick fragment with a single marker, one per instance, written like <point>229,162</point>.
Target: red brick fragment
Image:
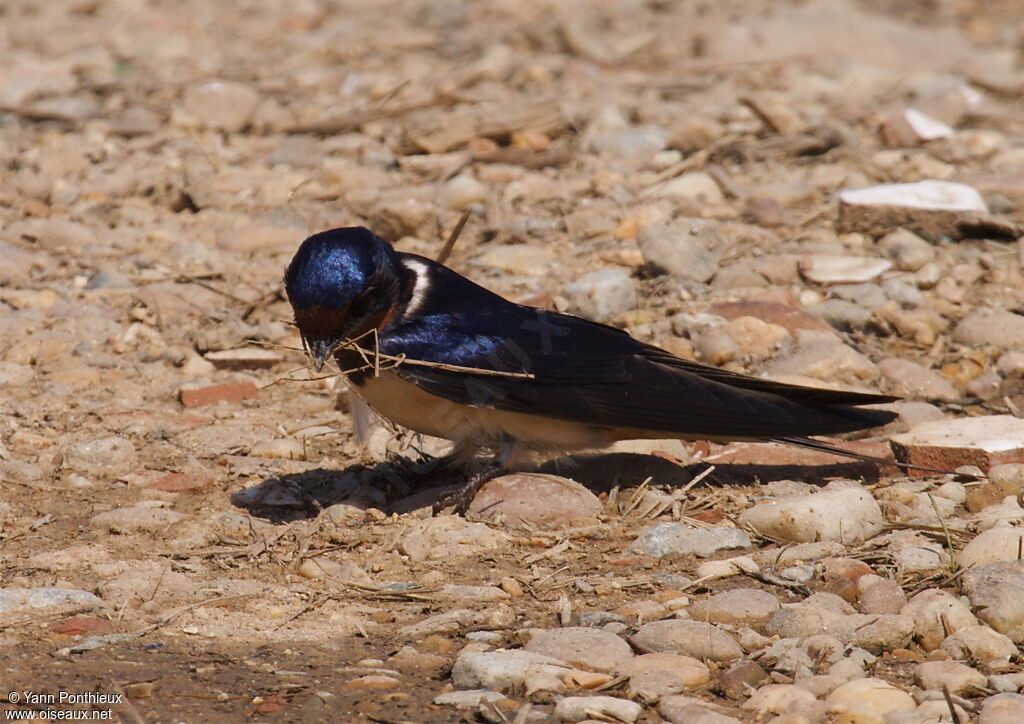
<point>78,625</point>
<point>179,483</point>
<point>948,444</point>
<point>230,392</point>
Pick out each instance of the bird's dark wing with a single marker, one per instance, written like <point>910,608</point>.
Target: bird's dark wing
<point>594,374</point>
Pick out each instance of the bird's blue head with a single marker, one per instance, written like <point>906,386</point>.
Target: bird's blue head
<point>341,284</point>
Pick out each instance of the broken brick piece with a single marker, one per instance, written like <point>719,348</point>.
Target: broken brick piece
<point>229,392</point>
<point>949,444</point>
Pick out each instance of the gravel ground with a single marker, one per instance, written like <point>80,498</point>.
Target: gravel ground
<point>823,192</point>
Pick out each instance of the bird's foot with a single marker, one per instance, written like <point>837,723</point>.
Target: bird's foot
<point>463,496</point>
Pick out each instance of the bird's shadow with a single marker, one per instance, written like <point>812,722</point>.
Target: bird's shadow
<point>405,488</point>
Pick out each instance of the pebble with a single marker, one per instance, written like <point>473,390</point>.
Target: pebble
<point>517,259</point>
<point>868,701</point>
<point>1002,709</point>
<point>630,142</point>
<point>710,570</point>
<point>689,638</point>
<point>469,699</point>
<point>995,544</point>
<point>602,295</point>
<point>475,593</point>
<point>936,614</point>
<point>997,328</point>
<point>955,677</point>
<point>585,648</point>
<point>931,206</point>
<point>447,622</point>
<point>780,699</point>
<point>653,676</point>
<point>750,606</point>
<point>694,186</point>
<point>15,599</point>
<point>908,250</point>
<point>995,592</point>
<point>284,449</point>
<point>102,457</point>
<point>824,359</point>
<point>222,105</point>
<point>512,499</point>
<point>910,127</point>
<point>837,269</point>
<point>882,596</point>
<point>53,233</point>
<point>741,678</point>
<point>136,518</point>
<point>580,708</point>
<point>686,248</point>
<point>501,670</point>
<point>462,191</point>
<point>948,444</point>
<point>680,539</point>
<point>842,314</point>
<point>686,710</point>
<point>981,645</point>
<point>910,379</point>
<point>842,512</point>
<point>447,537</point>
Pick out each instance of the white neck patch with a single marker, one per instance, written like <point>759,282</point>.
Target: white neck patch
<point>420,286</point>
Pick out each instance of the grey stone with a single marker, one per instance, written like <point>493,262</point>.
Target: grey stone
<point>982,645</point>
<point>580,708</point>
<point>1002,709</point>
<point>630,142</point>
<point>686,248</point>
<point>501,670</point>
<point>996,592</point>
<point>469,699</point>
<point>691,638</point>
<point>842,314</point>
<point>15,599</point>
<point>602,295</point>
<point>585,648</point>
<point>680,539</point>
<point>909,379</point>
<point>105,456</point>
<point>136,518</point>
<point>845,513</point>
<point>736,606</point>
<point>997,328</point>
<point>687,710</point>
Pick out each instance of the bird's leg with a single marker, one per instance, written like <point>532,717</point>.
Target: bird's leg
<point>462,497</point>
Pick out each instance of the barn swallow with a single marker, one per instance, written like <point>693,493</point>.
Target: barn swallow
<point>434,352</point>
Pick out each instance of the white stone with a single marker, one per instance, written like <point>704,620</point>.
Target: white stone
<point>867,701</point>
<point>995,544</point>
<point>501,670</point>
<point>839,269</point>
<point>518,259</point>
<point>462,191</point>
<point>927,195</point>
<point>694,186</point>
<point>845,513</point>
<point>925,127</point>
<point>937,613</point>
<point>602,295</point>
<point>580,708</point>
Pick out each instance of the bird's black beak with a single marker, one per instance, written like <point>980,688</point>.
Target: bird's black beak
<point>322,349</point>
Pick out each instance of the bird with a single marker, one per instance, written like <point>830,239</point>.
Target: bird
<point>434,352</point>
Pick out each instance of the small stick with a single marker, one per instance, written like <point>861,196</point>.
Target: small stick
<point>453,237</point>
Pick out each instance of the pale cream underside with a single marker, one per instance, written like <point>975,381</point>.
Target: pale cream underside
<point>404,403</point>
